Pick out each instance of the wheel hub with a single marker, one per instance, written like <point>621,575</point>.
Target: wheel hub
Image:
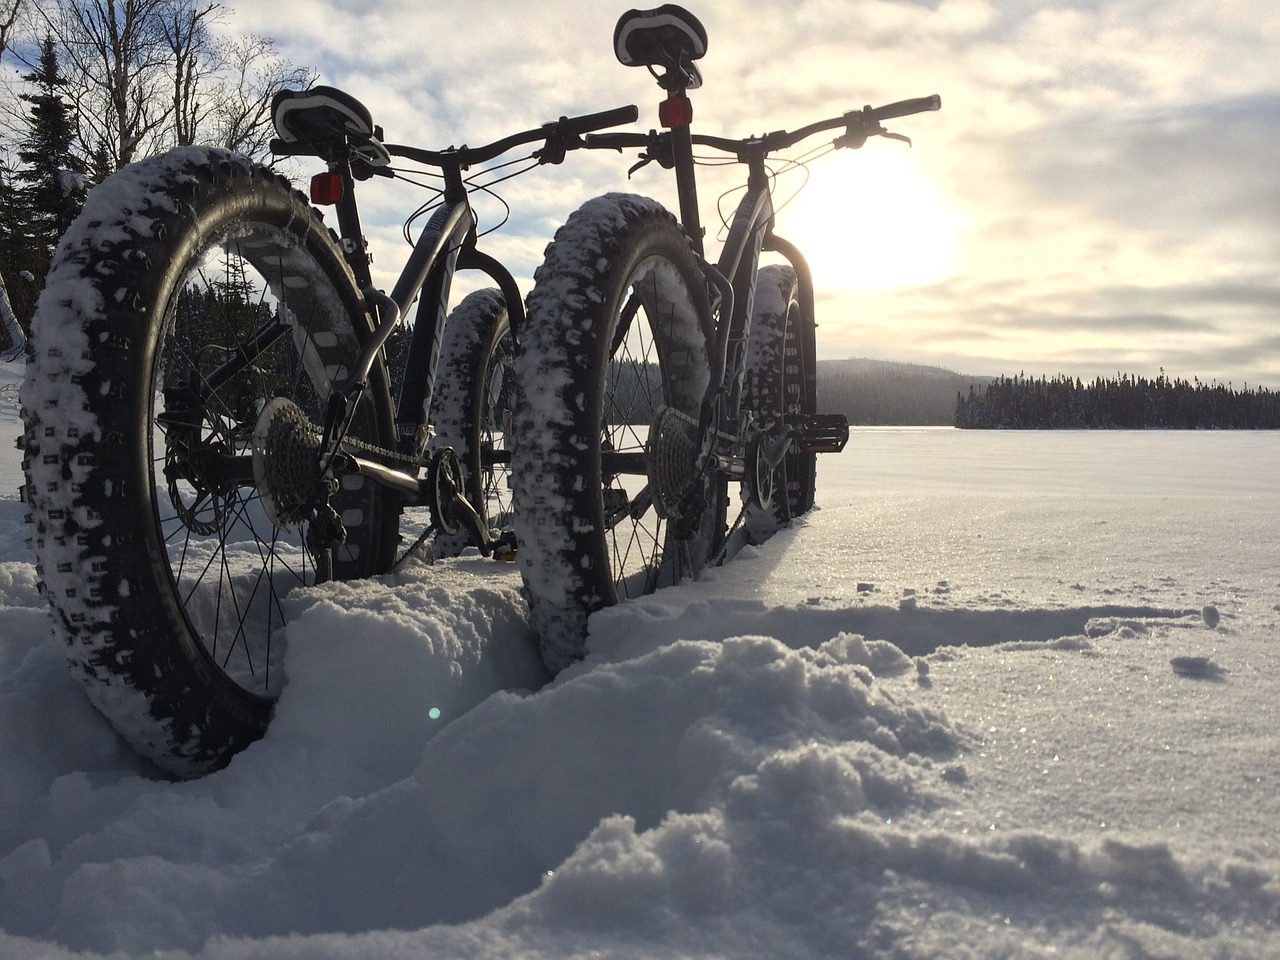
<point>286,463</point>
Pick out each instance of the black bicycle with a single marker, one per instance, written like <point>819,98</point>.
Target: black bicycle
<point>653,378</point>
<point>209,420</point>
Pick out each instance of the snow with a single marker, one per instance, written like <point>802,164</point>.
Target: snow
<point>1002,695</point>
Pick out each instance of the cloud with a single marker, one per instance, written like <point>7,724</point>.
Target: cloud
<point>1112,161</point>
<point>1190,174</point>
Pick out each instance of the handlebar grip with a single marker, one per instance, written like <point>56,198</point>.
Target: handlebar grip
<point>615,141</point>
<point>905,108</point>
<point>598,121</point>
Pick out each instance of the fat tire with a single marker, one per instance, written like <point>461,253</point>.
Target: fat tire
<point>116,574</point>
<point>472,404</point>
<point>777,367</point>
<point>571,356</point>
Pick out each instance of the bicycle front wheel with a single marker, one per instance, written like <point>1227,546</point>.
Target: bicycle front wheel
<point>472,407</point>
<point>774,392</point>
<point>194,323</point>
<point>612,372</point>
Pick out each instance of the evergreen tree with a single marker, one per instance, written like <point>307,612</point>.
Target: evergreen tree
<point>49,187</point>
<point>1127,403</point>
<point>53,177</point>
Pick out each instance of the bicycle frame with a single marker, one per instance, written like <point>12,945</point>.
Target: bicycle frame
<point>447,243</point>
<point>751,233</point>
<point>732,279</point>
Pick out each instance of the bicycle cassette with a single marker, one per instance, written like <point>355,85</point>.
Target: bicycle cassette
<point>286,463</point>
<point>673,460</point>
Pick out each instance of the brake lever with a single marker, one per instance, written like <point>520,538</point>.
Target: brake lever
<point>665,161</point>
<point>645,160</point>
<point>853,140</point>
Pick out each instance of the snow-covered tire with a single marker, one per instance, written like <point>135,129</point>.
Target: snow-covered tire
<point>164,574</point>
<point>617,329</point>
<point>774,389</point>
<point>472,407</point>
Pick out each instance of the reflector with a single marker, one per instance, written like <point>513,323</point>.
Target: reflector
<point>675,112</point>
<point>326,189</point>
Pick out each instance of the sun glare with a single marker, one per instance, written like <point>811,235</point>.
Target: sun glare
<point>869,219</point>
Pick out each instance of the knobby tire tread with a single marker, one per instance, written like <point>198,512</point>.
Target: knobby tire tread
<point>567,552</point>
<point>773,387</point>
<point>98,334</point>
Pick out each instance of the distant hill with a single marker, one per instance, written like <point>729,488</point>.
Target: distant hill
<point>885,393</point>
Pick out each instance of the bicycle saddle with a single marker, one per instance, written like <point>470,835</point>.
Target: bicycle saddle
<point>668,36</point>
<point>324,118</point>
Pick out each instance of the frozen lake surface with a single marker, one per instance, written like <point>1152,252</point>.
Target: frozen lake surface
<point>1003,695</point>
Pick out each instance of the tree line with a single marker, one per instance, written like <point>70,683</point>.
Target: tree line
<point>92,85</point>
<point>1125,402</point>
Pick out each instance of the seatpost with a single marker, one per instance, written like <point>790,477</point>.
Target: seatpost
<point>676,113</point>
<point>349,230</point>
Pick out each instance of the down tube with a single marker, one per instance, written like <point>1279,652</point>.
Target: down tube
<point>434,260</point>
<point>740,260</point>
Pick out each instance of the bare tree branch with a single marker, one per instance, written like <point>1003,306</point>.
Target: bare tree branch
<point>147,75</point>
<point>118,58</point>
<point>194,59</point>
<point>252,73</point>
<point>9,12</point>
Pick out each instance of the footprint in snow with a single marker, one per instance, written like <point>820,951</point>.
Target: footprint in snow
<point>1198,668</point>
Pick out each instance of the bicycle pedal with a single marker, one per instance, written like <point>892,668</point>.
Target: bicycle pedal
<point>824,433</point>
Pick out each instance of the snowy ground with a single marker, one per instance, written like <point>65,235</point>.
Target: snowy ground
<point>1004,695</point>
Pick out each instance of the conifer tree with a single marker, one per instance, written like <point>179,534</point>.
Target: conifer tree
<point>51,180</point>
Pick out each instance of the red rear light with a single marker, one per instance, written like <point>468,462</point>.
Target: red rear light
<point>326,189</point>
<point>675,112</point>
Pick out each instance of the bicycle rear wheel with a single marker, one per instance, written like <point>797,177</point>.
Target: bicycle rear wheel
<point>192,327</point>
<point>472,407</point>
<point>612,372</point>
<point>774,392</point>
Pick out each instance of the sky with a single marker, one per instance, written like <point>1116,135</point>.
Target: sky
<point>1096,196</point>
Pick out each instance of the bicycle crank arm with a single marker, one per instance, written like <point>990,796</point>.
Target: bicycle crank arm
<point>464,515</point>
<point>451,511</point>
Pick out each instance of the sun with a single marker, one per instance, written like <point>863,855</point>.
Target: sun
<point>869,219</point>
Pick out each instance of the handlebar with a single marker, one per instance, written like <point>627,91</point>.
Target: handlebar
<point>858,123</point>
<point>560,135</point>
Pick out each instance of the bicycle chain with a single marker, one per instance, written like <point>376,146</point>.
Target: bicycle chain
<point>393,455</point>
